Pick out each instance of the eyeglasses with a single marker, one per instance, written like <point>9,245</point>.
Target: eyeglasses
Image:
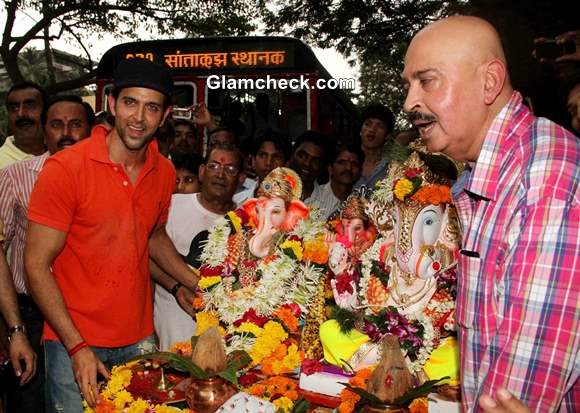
<point>230,170</point>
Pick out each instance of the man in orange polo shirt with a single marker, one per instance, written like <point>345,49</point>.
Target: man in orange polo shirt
<point>97,213</point>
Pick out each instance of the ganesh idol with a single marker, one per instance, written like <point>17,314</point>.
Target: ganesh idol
<point>408,282</point>
<point>260,268</point>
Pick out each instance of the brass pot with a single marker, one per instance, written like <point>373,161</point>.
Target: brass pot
<point>207,395</point>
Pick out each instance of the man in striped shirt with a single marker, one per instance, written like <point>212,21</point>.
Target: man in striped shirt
<point>66,120</point>
<point>518,203</point>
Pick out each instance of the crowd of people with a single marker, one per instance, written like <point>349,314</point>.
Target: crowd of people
<point>94,207</point>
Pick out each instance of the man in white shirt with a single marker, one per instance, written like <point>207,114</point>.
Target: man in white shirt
<point>189,215</point>
<point>344,170</point>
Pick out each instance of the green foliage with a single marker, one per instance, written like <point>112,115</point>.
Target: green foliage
<point>382,274</point>
<point>418,391</point>
<point>301,406</point>
<point>403,401</point>
<point>235,362</point>
<point>375,32</point>
<point>82,23</point>
<point>346,319</point>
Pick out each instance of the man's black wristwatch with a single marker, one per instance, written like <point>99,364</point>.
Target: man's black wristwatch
<point>18,328</point>
<point>175,288</point>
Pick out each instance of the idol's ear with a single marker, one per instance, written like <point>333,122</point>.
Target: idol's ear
<point>296,212</point>
<point>249,208</point>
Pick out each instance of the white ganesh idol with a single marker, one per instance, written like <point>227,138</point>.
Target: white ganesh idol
<point>408,281</point>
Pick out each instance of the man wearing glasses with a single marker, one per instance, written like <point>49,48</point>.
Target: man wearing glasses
<point>189,216</point>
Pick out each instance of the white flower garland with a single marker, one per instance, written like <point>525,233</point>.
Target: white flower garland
<point>428,340</point>
<point>429,335</point>
<point>283,280</point>
<point>215,249</point>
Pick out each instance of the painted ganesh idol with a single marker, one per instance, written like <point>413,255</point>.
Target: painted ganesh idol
<point>408,282</point>
<point>259,271</point>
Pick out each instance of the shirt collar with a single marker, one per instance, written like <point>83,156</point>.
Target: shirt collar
<point>484,177</point>
<point>100,152</point>
<point>37,162</point>
<point>14,151</point>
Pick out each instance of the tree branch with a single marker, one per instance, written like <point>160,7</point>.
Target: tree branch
<point>79,40</point>
<point>79,82</point>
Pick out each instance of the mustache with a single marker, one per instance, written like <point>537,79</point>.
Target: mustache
<point>416,115</point>
<point>65,140</point>
<point>24,122</point>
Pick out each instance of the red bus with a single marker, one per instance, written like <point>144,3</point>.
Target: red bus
<point>231,75</point>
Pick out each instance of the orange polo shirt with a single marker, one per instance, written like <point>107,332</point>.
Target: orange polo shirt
<point>102,270</point>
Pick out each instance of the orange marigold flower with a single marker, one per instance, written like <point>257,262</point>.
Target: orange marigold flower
<point>292,394</point>
<point>288,318</point>
<point>315,251</point>
<point>181,347</point>
<point>420,405</point>
<point>433,194</point>
<point>346,407</point>
<point>105,406</point>
<point>198,301</point>
<point>257,390</point>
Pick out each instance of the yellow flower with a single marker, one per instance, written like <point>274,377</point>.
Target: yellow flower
<point>122,399</point>
<point>235,220</point>
<point>403,187</point>
<point>207,282</point>
<point>205,320</point>
<point>294,246</point>
<point>138,406</point>
<point>316,251</point>
<point>247,327</point>
<point>283,403</point>
<point>120,378</point>
<point>275,331</point>
<point>272,335</point>
<point>293,359</point>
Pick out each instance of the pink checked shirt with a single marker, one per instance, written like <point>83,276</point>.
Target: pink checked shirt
<point>16,183</point>
<point>519,269</point>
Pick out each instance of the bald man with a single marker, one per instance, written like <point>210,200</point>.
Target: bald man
<point>518,203</point>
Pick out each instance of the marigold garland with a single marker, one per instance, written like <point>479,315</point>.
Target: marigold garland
<point>348,398</point>
<point>282,391</point>
<point>260,315</point>
<point>205,320</point>
<point>115,397</point>
<point>419,405</point>
<point>433,194</point>
<point>316,251</point>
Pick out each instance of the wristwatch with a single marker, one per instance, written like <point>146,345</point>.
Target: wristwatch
<point>175,288</point>
<point>18,328</point>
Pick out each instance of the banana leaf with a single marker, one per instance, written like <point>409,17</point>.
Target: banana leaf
<point>418,391</point>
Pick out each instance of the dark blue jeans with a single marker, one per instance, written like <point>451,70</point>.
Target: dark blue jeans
<point>30,397</point>
<point>62,391</point>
